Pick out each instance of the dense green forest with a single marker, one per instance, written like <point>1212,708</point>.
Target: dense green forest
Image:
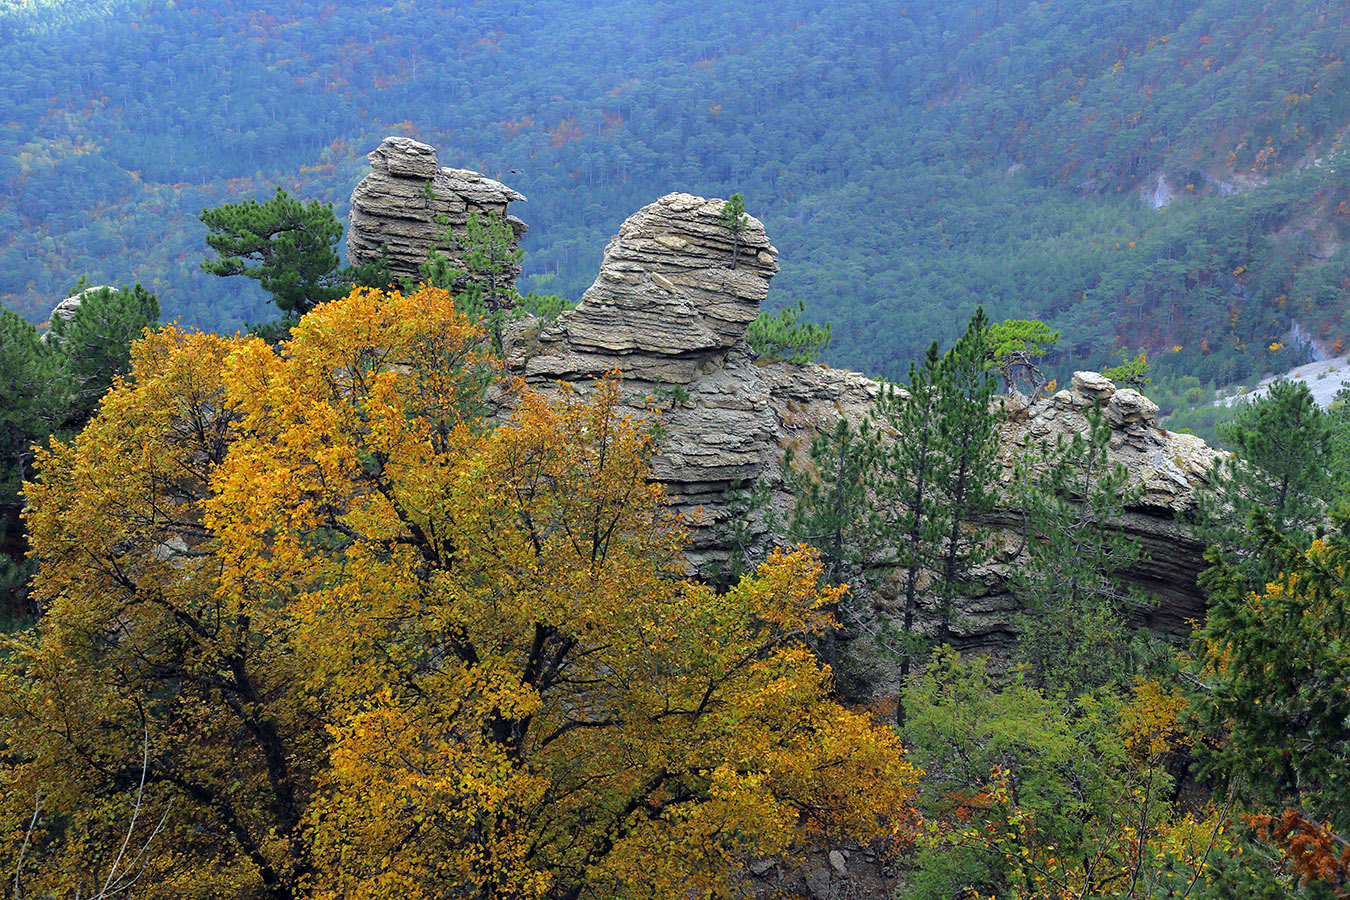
<point>314,628</point>
<point>909,163</point>
<point>319,618</point>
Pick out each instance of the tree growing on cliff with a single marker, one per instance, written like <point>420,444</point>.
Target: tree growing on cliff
<point>908,511</point>
<point>785,336</point>
<point>481,274</point>
<point>735,220</point>
<point>1068,574</point>
<point>1014,347</point>
<point>1131,373</point>
<point>967,482</point>
<point>379,648</point>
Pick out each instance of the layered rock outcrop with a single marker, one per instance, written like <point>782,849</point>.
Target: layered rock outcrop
<point>668,305</point>
<point>395,208</point>
<point>670,313</point>
<point>669,310</point>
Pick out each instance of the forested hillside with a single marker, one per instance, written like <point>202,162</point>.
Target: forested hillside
<point>909,162</point>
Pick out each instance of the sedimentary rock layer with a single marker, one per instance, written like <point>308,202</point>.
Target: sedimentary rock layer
<point>395,208</point>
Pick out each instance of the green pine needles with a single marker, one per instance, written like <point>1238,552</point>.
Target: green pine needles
<point>735,220</point>
<point>784,336</point>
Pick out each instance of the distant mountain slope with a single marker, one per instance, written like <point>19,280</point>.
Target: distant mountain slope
<point>909,166</point>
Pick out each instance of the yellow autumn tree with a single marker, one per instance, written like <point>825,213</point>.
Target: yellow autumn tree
<point>314,628</point>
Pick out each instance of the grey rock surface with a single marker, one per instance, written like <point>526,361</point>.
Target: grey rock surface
<point>391,207</point>
<point>67,307</point>
<point>667,305</point>
<point>669,312</point>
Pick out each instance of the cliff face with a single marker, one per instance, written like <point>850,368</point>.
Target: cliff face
<point>669,312</point>
<point>396,206</point>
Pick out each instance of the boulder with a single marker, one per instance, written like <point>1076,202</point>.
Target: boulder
<point>1090,387</point>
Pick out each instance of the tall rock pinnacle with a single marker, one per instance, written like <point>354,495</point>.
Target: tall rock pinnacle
<point>396,205</point>
<point>667,303</point>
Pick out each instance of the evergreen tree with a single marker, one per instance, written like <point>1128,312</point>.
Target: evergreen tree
<point>1074,636</point>
<point>910,493</point>
<point>283,244</point>
<point>481,273</point>
<point>1284,447</point>
<point>1338,421</point>
<point>908,507</point>
<point>95,344</point>
<point>831,514</point>
<point>1275,665</point>
<point>29,402</point>
<point>1014,347</point>
<point>734,219</point>
<point>968,437</point>
<point>31,405</point>
<point>54,385</point>
<point>1131,373</point>
<point>784,336</point>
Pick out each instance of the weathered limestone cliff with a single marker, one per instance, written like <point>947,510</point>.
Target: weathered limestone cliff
<point>667,306</point>
<point>395,207</point>
<point>669,312</point>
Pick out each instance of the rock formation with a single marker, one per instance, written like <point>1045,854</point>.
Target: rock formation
<point>66,308</point>
<point>393,210</point>
<point>667,306</point>
<point>669,312</point>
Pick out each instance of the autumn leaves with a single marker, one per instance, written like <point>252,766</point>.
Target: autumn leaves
<point>382,647</point>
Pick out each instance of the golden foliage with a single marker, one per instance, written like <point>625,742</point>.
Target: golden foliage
<point>380,648</point>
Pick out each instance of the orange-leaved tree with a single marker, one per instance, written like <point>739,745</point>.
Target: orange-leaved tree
<point>315,628</point>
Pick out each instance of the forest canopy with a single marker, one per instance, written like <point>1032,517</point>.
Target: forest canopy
<point>314,628</point>
<point>953,154</point>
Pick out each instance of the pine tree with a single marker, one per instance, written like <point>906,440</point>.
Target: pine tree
<point>283,244</point>
<point>1014,347</point>
<point>784,336</point>
<point>831,514</point>
<point>481,272</point>
<point>1068,575</point>
<point>734,219</point>
<point>1276,670</point>
<point>1283,446</point>
<point>95,344</point>
<point>54,386</point>
<point>31,406</point>
<point>908,507</point>
<point>968,437</point>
